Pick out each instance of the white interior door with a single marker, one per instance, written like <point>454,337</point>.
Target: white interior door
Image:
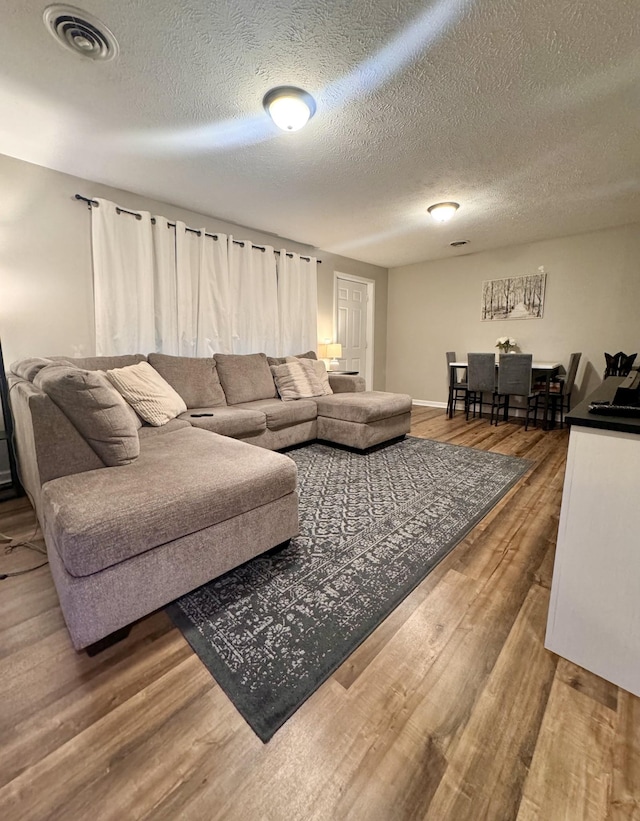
<point>351,325</point>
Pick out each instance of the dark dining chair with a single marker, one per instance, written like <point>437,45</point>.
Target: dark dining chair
<point>457,386</point>
<point>561,388</point>
<point>481,379</point>
<point>626,363</point>
<point>612,363</point>
<point>514,379</point>
<point>619,364</point>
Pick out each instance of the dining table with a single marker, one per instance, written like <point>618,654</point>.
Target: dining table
<point>539,368</point>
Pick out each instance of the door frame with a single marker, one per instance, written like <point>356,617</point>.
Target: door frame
<point>371,299</point>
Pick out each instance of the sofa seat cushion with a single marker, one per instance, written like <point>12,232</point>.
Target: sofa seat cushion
<point>281,414</point>
<point>181,483</point>
<point>227,421</point>
<point>195,378</point>
<point>363,407</point>
<point>148,431</point>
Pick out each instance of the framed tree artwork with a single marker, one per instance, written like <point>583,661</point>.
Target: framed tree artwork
<point>519,297</point>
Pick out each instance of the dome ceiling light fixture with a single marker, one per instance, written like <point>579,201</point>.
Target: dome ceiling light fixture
<point>80,32</point>
<point>443,211</point>
<point>289,107</point>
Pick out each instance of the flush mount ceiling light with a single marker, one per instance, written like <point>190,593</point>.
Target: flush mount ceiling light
<point>289,107</point>
<point>80,32</point>
<point>443,211</point>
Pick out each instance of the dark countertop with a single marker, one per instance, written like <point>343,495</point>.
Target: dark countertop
<point>580,414</point>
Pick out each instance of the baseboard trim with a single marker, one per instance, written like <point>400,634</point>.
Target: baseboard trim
<point>428,404</point>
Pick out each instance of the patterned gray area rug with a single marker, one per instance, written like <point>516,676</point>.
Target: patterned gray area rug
<point>371,528</point>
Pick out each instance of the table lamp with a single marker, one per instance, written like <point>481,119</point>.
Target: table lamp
<point>334,350</point>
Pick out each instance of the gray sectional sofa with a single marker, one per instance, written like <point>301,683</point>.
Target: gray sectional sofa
<point>134,514</point>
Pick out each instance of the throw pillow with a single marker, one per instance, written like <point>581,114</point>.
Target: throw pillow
<point>319,370</point>
<point>95,409</point>
<point>194,378</point>
<point>245,377</point>
<point>148,393</point>
<point>295,381</point>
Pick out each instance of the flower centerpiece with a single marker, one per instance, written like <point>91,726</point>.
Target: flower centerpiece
<point>506,343</point>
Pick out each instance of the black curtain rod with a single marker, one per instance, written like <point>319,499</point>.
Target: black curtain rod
<point>138,216</point>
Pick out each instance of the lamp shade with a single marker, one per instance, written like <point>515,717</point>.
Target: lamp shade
<point>334,350</point>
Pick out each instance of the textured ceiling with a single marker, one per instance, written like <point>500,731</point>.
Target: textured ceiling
<point>526,113</point>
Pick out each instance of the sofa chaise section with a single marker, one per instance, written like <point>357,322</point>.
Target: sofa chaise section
<point>363,420</point>
<point>125,541</point>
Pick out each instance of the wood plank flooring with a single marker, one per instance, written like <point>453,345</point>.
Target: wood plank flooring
<point>451,711</point>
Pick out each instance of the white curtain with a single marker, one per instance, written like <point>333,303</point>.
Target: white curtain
<point>123,281</point>
<point>254,297</point>
<point>214,297</point>
<point>171,289</point>
<point>297,303</point>
<point>165,282</point>
<point>202,292</point>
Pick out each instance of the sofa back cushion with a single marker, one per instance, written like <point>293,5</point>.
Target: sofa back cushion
<point>151,396</point>
<point>101,363</point>
<point>95,409</point>
<point>28,368</point>
<point>245,377</point>
<point>280,360</point>
<point>194,378</point>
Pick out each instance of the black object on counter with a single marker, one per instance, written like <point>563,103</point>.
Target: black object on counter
<point>628,392</point>
<point>613,419</point>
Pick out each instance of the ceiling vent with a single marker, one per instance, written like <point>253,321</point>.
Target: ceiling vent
<point>459,242</point>
<point>80,32</point>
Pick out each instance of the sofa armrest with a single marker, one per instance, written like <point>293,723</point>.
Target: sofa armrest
<point>344,383</point>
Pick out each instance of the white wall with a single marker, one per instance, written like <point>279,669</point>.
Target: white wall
<point>592,305</point>
<point>46,287</point>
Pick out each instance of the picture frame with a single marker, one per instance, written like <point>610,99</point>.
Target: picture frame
<point>520,297</point>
